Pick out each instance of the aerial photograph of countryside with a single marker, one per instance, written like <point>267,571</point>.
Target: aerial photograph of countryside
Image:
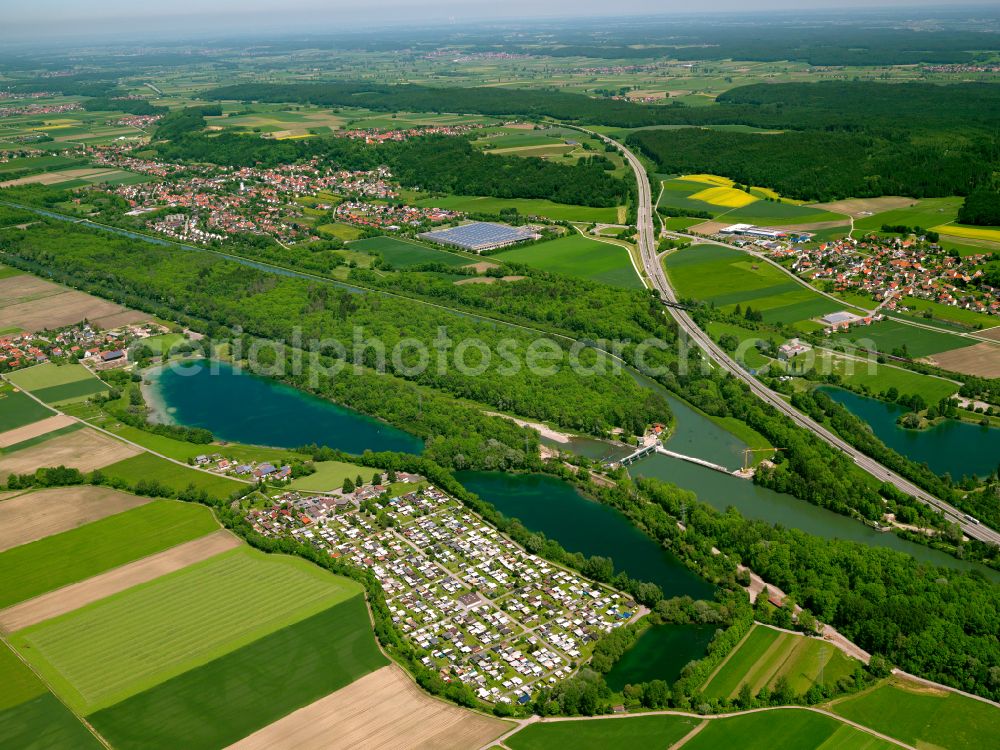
<point>439,375</point>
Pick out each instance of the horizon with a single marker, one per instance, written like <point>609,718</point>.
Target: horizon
<point>230,20</point>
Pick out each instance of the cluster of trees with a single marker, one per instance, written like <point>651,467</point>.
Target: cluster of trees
<point>131,106</point>
<point>982,207</point>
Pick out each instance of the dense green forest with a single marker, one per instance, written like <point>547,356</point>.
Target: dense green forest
<point>981,207</point>
<point>435,163</point>
<point>822,166</point>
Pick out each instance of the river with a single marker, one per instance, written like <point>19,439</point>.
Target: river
<point>245,408</point>
<point>955,447</point>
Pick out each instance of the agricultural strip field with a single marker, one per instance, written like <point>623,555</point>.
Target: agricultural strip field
<point>330,475</point>
<point>19,409</point>
<point>887,335</point>
<point>31,717</point>
<point>525,206</point>
<point>788,729</point>
<point>54,383</point>
<point>251,687</point>
<point>32,304</point>
<point>580,256</point>
<point>990,234</point>
<point>726,277</point>
<point>38,514</point>
<point>982,360</point>
<point>922,716</point>
<point>381,710</point>
<point>84,449</point>
<point>150,468</point>
<point>76,595</point>
<point>35,430</point>
<point>71,556</point>
<point>405,253</point>
<point>765,656</point>
<point>129,642</point>
<point>599,734</point>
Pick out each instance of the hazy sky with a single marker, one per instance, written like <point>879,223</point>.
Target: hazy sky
<point>35,19</point>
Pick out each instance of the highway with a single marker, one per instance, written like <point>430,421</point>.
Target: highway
<point>654,270</point>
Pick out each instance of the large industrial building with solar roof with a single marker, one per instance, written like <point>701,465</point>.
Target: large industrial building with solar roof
<point>480,236</point>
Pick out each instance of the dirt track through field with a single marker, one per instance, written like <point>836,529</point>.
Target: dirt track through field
<point>40,514</point>
<point>383,710</point>
<point>84,449</point>
<point>33,430</point>
<point>76,595</point>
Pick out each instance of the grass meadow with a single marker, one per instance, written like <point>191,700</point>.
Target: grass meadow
<point>116,647</point>
<point>148,467</point>
<point>923,717</point>
<point>330,475</point>
<point>525,206</point>
<point>61,559</point>
<point>726,277</point>
<point>406,253</point>
<point>927,213</point>
<point>580,256</point>
<point>250,687</point>
<point>640,731</point>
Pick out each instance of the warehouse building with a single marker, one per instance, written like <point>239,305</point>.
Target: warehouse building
<point>480,236</point>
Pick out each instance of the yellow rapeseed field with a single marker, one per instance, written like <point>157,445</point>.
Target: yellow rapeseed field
<point>724,196</point>
<point>709,179</point>
<point>972,233</point>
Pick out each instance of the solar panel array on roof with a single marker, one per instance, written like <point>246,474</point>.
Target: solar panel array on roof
<point>480,235</point>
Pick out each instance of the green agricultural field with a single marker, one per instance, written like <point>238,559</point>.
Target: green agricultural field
<point>55,383</point>
<point>600,734</point>
<point>59,560</point>
<point>31,717</point>
<point>680,223</point>
<point>878,378</point>
<point>340,231</point>
<point>923,717</point>
<point>152,468</point>
<point>524,206</point>
<point>727,277</point>
<point>132,641</point>
<point>580,256</point>
<point>5,273</point>
<point>676,194</point>
<point>403,253</point>
<point>788,729</point>
<point>768,654</point>
<point>773,213</point>
<point>927,213</point>
<point>888,335</point>
<point>952,314</point>
<point>330,475</point>
<point>18,409</point>
<point>250,687</point>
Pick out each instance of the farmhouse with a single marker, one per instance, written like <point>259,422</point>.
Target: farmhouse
<point>791,348</point>
<point>480,236</point>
